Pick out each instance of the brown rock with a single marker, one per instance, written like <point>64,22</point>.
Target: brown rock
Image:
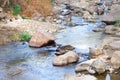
<point>63,49</point>
<point>69,57</point>
<point>112,16</point>
<point>40,39</point>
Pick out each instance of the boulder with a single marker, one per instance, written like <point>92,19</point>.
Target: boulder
<point>60,61</point>
<point>40,39</point>
<point>69,57</point>
<point>84,65</point>
<point>112,30</point>
<point>63,49</point>
<point>76,77</point>
<point>115,45</point>
<point>98,66</point>
<point>115,60</point>
<point>114,15</point>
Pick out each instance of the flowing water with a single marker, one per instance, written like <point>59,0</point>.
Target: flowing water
<point>20,62</point>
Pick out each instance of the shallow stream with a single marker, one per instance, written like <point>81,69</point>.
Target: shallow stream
<point>20,62</point>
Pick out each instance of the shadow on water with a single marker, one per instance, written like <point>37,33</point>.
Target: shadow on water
<point>36,63</point>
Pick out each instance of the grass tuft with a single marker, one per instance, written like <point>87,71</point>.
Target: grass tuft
<point>25,36</point>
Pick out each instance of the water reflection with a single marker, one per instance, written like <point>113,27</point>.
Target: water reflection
<point>107,77</point>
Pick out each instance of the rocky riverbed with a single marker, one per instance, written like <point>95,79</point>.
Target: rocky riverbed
<point>83,50</point>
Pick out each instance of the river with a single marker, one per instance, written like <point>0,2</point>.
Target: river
<point>18,61</point>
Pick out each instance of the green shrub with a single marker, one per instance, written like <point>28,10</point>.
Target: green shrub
<point>53,0</point>
<point>25,36</point>
<point>117,22</point>
<point>16,9</point>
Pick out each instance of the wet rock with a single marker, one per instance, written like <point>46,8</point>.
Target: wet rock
<point>115,60</point>
<point>98,66</point>
<point>40,39</point>
<point>63,49</point>
<point>98,29</point>
<point>66,12</point>
<point>70,24</point>
<point>76,77</point>
<point>16,71</point>
<point>84,66</point>
<point>69,57</point>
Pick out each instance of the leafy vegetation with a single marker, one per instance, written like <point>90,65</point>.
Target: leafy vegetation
<point>16,9</point>
<point>33,7</point>
<point>25,36</point>
<point>117,22</point>
<point>29,8</point>
<point>53,0</point>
